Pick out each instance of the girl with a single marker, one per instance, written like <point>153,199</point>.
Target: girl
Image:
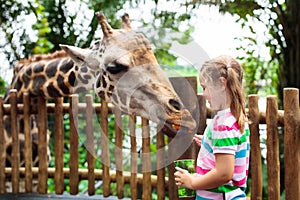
<point>223,160</point>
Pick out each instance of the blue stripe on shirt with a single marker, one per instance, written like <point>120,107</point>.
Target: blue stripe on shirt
<point>241,154</point>
<point>207,147</point>
<point>202,198</point>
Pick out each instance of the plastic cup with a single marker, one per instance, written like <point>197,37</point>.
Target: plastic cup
<point>189,165</point>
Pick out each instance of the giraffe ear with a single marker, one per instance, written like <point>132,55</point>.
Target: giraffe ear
<point>81,56</point>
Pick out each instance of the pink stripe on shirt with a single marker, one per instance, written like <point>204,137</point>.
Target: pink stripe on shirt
<point>201,171</point>
<point>208,161</point>
<point>223,127</point>
<point>240,182</point>
<point>239,169</point>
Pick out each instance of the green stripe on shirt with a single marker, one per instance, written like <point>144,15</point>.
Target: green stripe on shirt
<point>225,188</point>
<point>221,142</point>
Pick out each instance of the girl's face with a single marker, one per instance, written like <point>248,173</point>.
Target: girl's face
<point>214,93</point>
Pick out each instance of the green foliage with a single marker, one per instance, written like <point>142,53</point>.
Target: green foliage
<point>261,77</point>
<point>43,45</point>
<point>280,19</point>
<point>16,39</point>
<point>3,86</point>
<point>166,26</point>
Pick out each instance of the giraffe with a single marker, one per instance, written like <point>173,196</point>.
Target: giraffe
<point>29,76</point>
<point>130,76</point>
<point>121,68</point>
<point>49,76</point>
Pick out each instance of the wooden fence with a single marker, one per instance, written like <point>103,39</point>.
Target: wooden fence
<point>161,179</point>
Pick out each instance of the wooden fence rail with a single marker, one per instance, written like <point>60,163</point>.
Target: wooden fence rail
<point>162,183</point>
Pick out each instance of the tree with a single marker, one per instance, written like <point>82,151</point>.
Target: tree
<point>282,19</point>
<point>55,22</point>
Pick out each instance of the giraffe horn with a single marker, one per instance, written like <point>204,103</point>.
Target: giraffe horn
<point>106,28</point>
<point>126,22</point>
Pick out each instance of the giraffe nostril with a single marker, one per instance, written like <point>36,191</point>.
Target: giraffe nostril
<point>175,104</point>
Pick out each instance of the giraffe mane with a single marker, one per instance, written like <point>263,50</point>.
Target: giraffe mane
<point>40,57</point>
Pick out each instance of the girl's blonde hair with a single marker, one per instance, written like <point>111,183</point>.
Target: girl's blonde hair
<point>231,70</point>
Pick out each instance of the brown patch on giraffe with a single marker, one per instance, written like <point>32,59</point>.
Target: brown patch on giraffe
<point>143,56</point>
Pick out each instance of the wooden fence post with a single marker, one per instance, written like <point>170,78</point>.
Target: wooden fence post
<point>28,143</point>
<point>119,153</point>
<point>2,149</point>
<point>90,144</point>
<point>273,164</point>
<point>105,148</point>
<point>59,146</point>
<point>146,160</point>
<point>255,153</point>
<point>73,113</point>
<point>291,143</point>
<point>172,188</point>
<point>15,141</point>
<point>42,148</point>
<point>133,157</point>
<point>160,165</point>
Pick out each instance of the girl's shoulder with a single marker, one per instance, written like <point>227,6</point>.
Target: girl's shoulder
<point>224,120</point>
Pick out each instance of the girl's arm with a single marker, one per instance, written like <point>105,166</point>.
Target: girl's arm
<point>221,174</point>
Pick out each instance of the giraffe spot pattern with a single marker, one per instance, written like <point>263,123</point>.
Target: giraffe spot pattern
<point>71,79</point>
<point>111,87</point>
<point>62,85</point>
<point>25,80</point>
<point>51,69</point>
<point>102,94</point>
<point>83,69</point>
<point>29,71</point>
<point>66,65</point>
<point>38,82</point>
<point>80,90</point>
<point>82,79</point>
<point>98,84</point>
<point>18,84</point>
<point>52,91</point>
<point>104,84</point>
<point>38,67</point>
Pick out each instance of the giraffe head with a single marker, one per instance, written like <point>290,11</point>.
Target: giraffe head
<point>130,76</point>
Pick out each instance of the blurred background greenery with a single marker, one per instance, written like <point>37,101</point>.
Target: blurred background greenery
<point>54,22</point>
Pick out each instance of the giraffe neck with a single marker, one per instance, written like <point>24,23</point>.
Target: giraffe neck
<point>53,78</point>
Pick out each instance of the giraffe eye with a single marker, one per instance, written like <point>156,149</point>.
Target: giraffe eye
<point>115,68</point>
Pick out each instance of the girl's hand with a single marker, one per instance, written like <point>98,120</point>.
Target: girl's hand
<point>198,139</point>
<point>183,178</point>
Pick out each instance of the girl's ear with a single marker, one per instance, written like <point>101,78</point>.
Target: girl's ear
<point>223,82</point>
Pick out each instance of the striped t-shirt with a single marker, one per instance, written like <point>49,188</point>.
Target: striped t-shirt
<point>223,136</point>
